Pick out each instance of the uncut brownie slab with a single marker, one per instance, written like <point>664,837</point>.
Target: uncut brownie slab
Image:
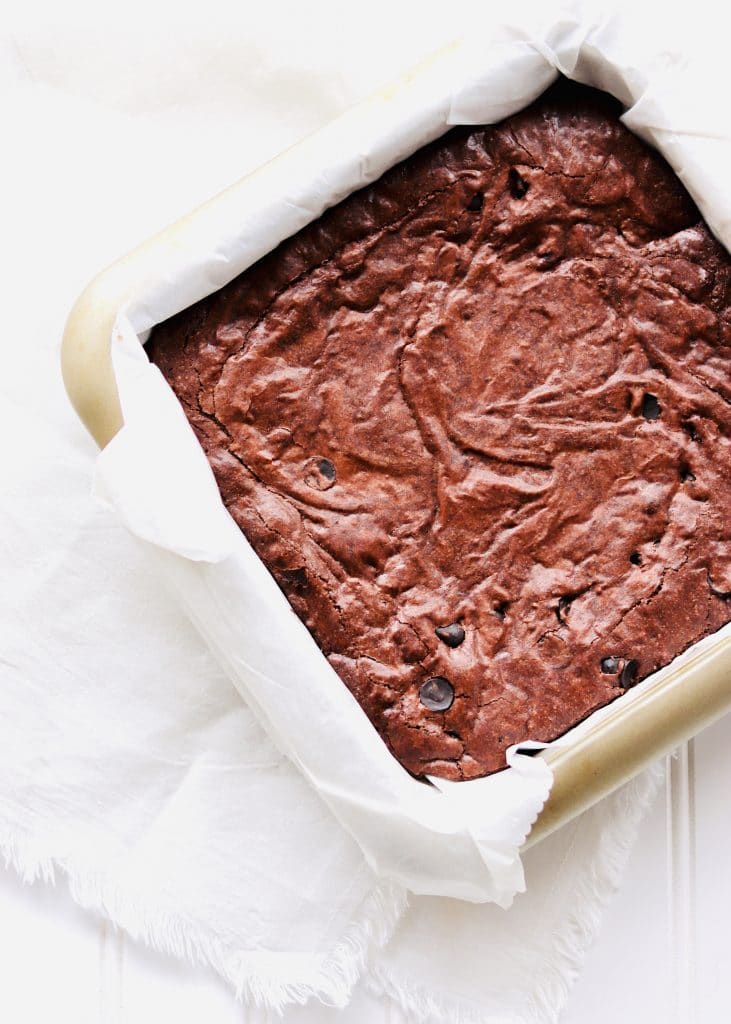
<point>475,420</point>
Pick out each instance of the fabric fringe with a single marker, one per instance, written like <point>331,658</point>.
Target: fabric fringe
<point>264,979</point>
<point>593,891</point>
<point>277,980</point>
<point>333,976</point>
<point>423,1007</point>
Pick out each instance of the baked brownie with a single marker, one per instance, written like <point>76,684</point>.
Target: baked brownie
<point>475,420</point>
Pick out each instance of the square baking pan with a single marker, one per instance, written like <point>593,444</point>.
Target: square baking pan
<point>592,760</point>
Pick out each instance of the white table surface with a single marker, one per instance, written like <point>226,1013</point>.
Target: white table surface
<point>660,956</point>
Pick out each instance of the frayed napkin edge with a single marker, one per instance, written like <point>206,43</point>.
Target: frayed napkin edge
<point>272,980</point>
<point>592,893</point>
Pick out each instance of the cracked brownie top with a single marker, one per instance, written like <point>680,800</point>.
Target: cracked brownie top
<point>475,420</point>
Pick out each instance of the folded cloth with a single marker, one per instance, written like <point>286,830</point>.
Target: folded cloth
<point>128,763</point>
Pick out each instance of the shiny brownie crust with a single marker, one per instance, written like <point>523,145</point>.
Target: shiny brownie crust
<point>475,420</point>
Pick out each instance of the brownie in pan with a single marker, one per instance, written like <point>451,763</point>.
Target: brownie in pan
<point>475,421</point>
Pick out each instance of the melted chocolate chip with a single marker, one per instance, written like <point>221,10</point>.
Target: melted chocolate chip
<point>609,665</point>
<point>517,184</point>
<point>635,558</point>
<point>501,609</point>
<point>436,694</point>
<point>320,474</point>
<point>690,430</point>
<point>628,675</point>
<point>686,474</point>
<point>326,468</point>
<point>564,606</point>
<point>451,635</point>
<point>476,202</point>
<point>651,408</point>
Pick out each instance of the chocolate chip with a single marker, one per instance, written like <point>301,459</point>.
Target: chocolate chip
<point>517,185</point>
<point>690,430</point>
<point>451,635</point>
<point>436,694</point>
<point>501,609</point>
<point>564,606</point>
<point>476,202</point>
<point>635,558</point>
<point>651,408</point>
<point>609,665</point>
<point>686,474</point>
<point>326,468</point>
<point>320,474</point>
<point>628,675</point>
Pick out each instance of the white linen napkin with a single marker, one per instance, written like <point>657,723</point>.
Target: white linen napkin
<point>128,762</point>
